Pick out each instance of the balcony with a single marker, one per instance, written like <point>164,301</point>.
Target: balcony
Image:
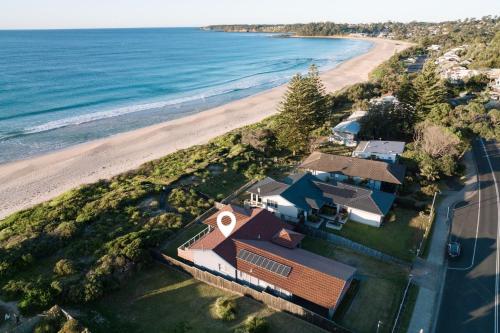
<point>196,238</point>
<point>253,203</point>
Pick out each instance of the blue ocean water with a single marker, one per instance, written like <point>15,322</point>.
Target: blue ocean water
<point>63,87</point>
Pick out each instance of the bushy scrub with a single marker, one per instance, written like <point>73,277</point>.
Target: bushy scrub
<point>54,321</point>
<point>225,308</point>
<point>64,267</point>
<point>253,325</point>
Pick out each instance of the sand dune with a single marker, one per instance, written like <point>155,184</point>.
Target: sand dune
<point>28,182</point>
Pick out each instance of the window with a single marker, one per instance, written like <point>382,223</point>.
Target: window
<point>272,204</point>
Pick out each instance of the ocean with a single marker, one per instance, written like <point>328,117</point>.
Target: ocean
<point>64,87</point>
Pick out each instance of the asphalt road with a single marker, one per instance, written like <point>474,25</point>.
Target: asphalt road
<point>470,297</point>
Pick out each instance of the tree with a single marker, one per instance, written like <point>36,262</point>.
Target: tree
<point>440,114</point>
<point>406,92</point>
<point>302,110</point>
<point>435,141</point>
<point>430,90</point>
<point>477,83</point>
<point>390,122</point>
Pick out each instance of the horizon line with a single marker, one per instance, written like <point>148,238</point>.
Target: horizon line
<point>243,24</point>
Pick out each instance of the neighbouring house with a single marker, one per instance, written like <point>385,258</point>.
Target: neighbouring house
<point>384,100</point>
<point>264,253</point>
<point>377,175</point>
<point>305,197</point>
<point>346,132</point>
<point>379,149</point>
<point>458,74</point>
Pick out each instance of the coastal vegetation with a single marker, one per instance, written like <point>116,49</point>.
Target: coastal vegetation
<point>447,34</point>
<point>81,246</point>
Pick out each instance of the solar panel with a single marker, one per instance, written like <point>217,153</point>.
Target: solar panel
<point>264,262</point>
<point>280,269</point>
<point>260,261</point>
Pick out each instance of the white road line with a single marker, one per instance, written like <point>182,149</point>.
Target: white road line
<point>498,236</point>
<point>477,232</point>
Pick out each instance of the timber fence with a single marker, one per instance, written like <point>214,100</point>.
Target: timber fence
<point>272,301</point>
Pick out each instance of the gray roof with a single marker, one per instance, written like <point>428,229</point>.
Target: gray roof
<point>381,147</point>
<point>355,167</point>
<point>268,187</point>
<point>367,200</point>
<point>305,258</point>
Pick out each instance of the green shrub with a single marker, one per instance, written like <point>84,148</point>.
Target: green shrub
<point>253,325</point>
<point>64,267</point>
<point>36,297</point>
<point>430,189</point>
<point>70,326</point>
<point>225,308</point>
<point>45,327</point>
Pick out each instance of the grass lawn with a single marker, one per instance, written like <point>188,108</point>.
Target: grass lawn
<point>408,308</point>
<point>381,288</point>
<point>399,236</point>
<point>161,299</point>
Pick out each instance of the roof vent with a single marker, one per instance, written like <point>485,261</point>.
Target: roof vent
<point>258,190</point>
<point>258,236</point>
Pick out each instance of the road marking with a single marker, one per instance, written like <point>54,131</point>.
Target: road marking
<point>498,235</point>
<point>477,232</point>
<point>477,229</point>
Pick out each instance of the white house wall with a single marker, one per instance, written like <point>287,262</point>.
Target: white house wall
<point>381,156</point>
<point>364,217</point>
<point>285,207</point>
<point>261,283</point>
<point>213,262</point>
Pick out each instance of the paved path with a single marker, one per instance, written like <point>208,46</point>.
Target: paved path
<point>429,273</point>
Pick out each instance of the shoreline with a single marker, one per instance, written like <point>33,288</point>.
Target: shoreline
<point>27,182</point>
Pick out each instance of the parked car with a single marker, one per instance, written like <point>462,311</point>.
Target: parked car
<point>454,249</point>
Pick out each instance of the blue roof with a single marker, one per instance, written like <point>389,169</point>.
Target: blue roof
<point>306,191</point>
<point>348,126</point>
<point>302,190</point>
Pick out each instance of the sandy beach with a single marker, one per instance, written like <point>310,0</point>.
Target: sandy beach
<point>28,182</point>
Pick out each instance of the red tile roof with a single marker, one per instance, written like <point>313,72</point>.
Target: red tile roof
<point>312,277</point>
<point>288,238</point>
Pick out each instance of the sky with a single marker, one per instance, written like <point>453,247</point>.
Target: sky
<point>54,14</point>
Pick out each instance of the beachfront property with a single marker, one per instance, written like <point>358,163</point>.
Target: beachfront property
<point>264,253</point>
<point>384,100</point>
<point>305,197</point>
<point>346,132</point>
<point>388,151</point>
<point>375,175</point>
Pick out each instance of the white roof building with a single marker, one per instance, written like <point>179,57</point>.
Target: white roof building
<point>379,149</point>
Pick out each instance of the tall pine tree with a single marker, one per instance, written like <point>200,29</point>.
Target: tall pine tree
<point>302,110</point>
<point>430,90</point>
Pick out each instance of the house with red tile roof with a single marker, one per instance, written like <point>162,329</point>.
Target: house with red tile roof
<point>263,252</point>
